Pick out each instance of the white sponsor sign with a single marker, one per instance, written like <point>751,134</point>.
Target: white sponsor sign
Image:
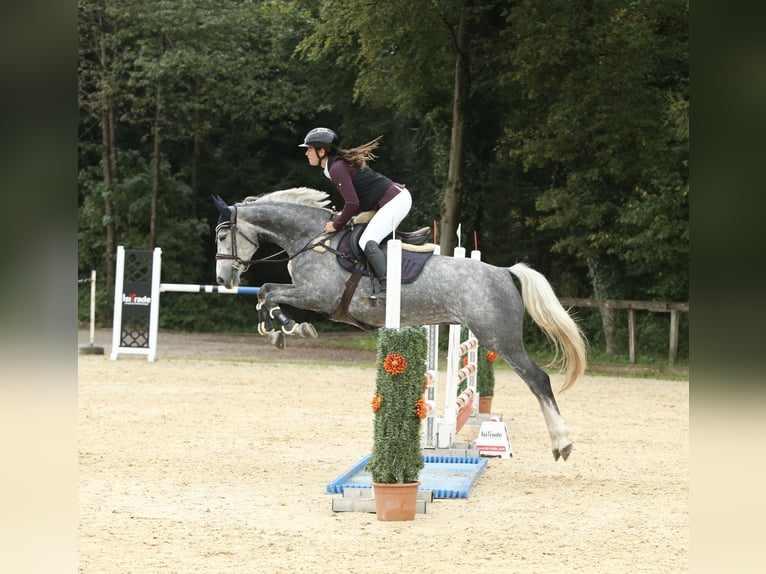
<point>493,439</point>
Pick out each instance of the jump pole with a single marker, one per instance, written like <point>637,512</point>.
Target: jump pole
<point>137,301</point>
<point>190,288</point>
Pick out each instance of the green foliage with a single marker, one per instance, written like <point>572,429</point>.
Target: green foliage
<point>181,235</point>
<point>485,374</point>
<point>396,62</point>
<point>103,312</point>
<point>652,336</point>
<point>396,455</point>
<point>598,76</point>
<point>209,313</point>
<point>655,241</point>
<point>576,140</point>
<point>485,371</point>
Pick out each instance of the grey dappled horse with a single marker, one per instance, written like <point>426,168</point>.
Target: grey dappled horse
<point>449,290</point>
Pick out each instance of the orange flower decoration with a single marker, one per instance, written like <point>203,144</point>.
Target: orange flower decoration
<point>465,361</point>
<point>425,384</point>
<point>376,403</point>
<point>491,356</point>
<point>395,364</point>
<point>421,409</point>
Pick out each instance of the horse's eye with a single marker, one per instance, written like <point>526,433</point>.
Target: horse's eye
<point>222,237</point>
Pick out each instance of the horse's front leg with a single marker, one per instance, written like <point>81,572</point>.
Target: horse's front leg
<point>265,326</point>
<point>269,313</point>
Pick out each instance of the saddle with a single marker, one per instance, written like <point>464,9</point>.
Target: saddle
<point>416,251</point>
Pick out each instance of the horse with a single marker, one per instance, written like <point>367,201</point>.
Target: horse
<point>449,290</point>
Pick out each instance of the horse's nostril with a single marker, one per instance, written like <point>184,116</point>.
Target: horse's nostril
<point>220,280</point>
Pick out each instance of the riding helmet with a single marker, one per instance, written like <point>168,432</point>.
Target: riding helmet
<point>320,137</point>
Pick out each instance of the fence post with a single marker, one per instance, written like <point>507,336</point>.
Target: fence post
<point>91,348</point>
<point>632,335</point>
<point>673,351</point>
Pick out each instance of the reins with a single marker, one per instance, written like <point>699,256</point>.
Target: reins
<point>244,264</point>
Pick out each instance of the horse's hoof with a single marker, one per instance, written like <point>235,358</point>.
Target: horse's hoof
<point>291,328</point>
<point>371,300</point>
<point>307,331</point>
<point>562,452</point>
<point>277,339</point>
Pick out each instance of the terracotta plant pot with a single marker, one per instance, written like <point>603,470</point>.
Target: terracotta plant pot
<point>395,501</point>
<point>485,405</point>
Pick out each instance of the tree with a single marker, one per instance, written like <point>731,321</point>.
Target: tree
<point>415,56</point>
<point>555,129</point>
<point>193,63</point>
<point>601,77</point>
<point>98,89</point>
<point>169,74</point>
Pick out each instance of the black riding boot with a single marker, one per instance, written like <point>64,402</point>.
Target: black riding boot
<point>377,260</point>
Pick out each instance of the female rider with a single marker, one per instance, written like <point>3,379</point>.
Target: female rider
<point>362,189</point>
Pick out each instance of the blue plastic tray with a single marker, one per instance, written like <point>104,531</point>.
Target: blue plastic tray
<point>446,477</point>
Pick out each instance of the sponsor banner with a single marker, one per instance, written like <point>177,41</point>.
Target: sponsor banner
<point>493,439</point>
<point>136,298</point>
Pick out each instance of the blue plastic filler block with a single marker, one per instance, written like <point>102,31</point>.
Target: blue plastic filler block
<point>446,477</point>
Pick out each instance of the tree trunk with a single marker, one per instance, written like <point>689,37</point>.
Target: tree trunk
<point>196,151</point>
<point>456,168</point>
<point>197,145</point>
<point>155,168</point>
<point>602,290</point>
<point>106,163</point>
<point>109,167</point>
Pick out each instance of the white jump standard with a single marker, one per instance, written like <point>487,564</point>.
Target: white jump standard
<point>441,432</point>
<point>137,301</point>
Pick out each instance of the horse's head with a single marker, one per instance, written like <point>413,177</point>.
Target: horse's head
<point>289,218</point>
<point>235,247</point>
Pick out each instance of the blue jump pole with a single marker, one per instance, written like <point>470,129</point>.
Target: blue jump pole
<point>189,288</point>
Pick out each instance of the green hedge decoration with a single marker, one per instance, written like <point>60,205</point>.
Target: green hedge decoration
<point>399,405</point>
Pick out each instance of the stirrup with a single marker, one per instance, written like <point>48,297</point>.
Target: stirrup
<point>374,298</point>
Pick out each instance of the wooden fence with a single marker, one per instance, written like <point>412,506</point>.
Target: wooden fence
<point>632,306</point>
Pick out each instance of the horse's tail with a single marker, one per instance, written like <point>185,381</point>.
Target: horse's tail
<point>545,309</point>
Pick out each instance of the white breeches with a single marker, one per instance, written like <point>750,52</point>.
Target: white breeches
<point>387,218</point>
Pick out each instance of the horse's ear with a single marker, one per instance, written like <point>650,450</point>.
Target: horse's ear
<point>223,209</point>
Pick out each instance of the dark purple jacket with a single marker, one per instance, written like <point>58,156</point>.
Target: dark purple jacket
<point>362,189</point>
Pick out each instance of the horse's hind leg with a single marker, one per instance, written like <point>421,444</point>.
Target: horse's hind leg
<point>539,383</point>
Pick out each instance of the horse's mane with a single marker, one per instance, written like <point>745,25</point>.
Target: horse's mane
<point>297,195</point>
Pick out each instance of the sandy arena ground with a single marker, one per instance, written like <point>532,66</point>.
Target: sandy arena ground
<point>215,459</point>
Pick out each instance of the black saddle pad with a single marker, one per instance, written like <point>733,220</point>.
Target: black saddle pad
<point>349,258</point>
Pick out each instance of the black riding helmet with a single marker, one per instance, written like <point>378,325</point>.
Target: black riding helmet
<point>320,137</point>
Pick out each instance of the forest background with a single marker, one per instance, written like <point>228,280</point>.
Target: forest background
<point>555,130</point>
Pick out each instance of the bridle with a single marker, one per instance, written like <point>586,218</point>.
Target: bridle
<point>243,265</point>
<point>238,263</point>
